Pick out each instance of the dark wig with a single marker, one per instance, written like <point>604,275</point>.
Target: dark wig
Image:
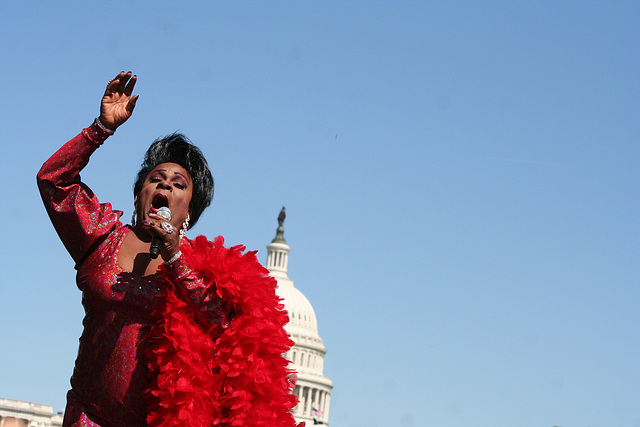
<point>176,148</point>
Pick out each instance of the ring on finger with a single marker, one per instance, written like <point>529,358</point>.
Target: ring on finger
<point>168,228</point>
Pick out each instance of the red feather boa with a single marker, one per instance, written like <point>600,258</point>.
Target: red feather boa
<point>239,378</point>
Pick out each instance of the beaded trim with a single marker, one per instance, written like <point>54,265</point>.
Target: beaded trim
<point>97,132</point>
<point>103,127</point>
<point>174,258</point>
<point>178,270</point>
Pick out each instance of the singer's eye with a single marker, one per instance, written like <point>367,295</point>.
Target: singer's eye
<point>180,186</point>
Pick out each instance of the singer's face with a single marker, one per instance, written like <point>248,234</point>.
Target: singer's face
<point>170,185</point>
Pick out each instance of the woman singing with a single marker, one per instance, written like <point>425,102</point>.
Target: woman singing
<point>192,337</point>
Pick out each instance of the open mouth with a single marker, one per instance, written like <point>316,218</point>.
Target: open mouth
<point>159,201</point>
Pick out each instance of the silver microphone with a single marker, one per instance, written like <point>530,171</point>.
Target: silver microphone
<point>156,242</point>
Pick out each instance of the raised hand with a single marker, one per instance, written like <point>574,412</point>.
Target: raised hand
<point>117,103</point>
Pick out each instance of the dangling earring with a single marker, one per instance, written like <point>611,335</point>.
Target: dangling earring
<point>185,226</point>
<point>135,212</point>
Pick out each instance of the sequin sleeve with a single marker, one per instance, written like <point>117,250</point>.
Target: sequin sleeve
<point>193,289</point>
<point>79,219</point>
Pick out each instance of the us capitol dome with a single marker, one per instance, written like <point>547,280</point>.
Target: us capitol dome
<point>307,355</point>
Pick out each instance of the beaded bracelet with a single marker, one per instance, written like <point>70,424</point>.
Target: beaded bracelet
<point>97,132</point>
<point>103,127</point>
<point>174,258</point>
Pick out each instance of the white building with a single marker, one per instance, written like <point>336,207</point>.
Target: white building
<point>307,355</point>
<point>18,413</point>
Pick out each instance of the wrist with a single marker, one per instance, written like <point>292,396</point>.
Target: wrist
<point>103,127</point>
<point>97,132</point>
<point>177,268</point>
<point>174,258</point>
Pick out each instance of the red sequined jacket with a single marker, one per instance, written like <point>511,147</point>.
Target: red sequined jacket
<point>199,343</point>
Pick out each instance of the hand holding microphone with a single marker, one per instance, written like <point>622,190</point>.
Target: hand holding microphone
<point>156,242</point>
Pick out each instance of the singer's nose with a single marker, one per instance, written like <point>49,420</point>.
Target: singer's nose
<point>164,185</point>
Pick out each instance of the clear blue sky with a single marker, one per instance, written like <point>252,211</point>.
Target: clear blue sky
<point>461,183</point>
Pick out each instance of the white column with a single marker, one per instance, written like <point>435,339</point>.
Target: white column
<point>303,399</point>
<point>296,391</point>
<point>326,408</point>
<point>308,403</point>
<point>319,402</point>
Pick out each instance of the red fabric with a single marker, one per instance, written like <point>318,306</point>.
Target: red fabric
<point>241,378</point>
